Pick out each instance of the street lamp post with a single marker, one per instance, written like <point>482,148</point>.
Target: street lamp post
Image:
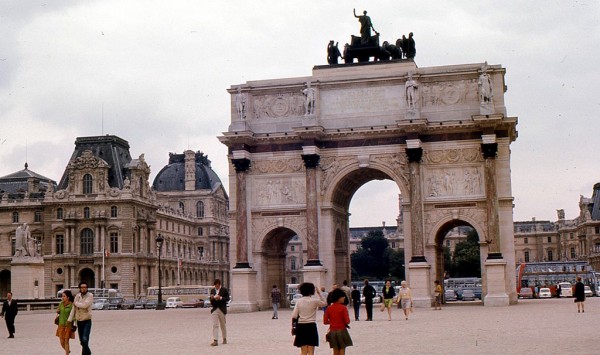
<point>159,243</point>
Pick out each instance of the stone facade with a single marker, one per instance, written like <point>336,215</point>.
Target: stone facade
<point>101,221</point>
<point>292,172</point>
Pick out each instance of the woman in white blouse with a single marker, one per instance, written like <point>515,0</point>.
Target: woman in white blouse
<point>305,310</point>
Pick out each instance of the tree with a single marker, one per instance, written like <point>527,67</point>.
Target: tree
<point>372,259</point>
<point>466,261</point>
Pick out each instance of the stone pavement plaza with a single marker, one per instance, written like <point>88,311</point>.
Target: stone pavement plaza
<point>549,326</point>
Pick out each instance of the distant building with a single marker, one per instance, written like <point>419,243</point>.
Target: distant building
<point>104,205</point>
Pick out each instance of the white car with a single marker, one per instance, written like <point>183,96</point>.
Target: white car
<point>588,291</point>
<point>100,304</point>
<point>544,292</point>
<point>174,302</point>
<point>296,297</point>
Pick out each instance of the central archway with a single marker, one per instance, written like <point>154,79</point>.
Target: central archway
<point>87,275</point>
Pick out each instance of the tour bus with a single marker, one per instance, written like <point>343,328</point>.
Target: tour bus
<point>114,296</point>
<point>291,290</point>
<point>459,284</point>
<point>187,293</point>
<point>550,273</point>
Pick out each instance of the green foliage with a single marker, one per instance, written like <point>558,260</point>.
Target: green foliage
<point>466,259</point>
<point>375,259</point>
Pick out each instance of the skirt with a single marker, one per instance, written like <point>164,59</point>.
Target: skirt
<point>339,339</point>
<point>405,302</point>
<point>64,332</point>
<point>306,334</point>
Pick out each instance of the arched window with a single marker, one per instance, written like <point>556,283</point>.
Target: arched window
<point>86,212</point>
<point>182,206</point>
<point>87,184</point>
<point>87,242</point>
<point>113,211</point>
<point>59,213</point>
<point>200,209</point>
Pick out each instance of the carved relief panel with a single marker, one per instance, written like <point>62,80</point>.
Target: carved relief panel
<point>451,182</point>
<point>289,104</point>
<point>279,166</point>
<point>461,92</point>
<point>280,190</point>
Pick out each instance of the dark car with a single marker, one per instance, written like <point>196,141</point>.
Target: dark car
<point>150,304</point>
<point>139,304</point>
<point>193,303</point>
<point>128,304</point>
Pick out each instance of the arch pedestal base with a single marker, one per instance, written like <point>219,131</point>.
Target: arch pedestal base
<point>496,283</point>
<point>243,281</point>
<point>418,282</point>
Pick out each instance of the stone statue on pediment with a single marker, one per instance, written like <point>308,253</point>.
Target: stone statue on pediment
<point>240,103</point>
<point>22,238</point>
<point>309,102</point>
<point>485,86</point>
<point>411,88</point>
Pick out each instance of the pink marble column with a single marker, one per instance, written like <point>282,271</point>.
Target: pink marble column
<point>416,205</point>
<point>491,198</point>
<point>311,161</point>
<point>241,232</point>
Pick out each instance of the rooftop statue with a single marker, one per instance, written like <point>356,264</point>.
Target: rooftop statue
<point>365,27</point>
<point>333,53</point>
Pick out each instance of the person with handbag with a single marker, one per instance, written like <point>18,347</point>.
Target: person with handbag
<point>405,299</point>
<point>339,321</point>
<point>64,320</point>
<point>305,310</point>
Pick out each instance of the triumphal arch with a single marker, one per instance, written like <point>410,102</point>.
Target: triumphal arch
<point>301,147</point>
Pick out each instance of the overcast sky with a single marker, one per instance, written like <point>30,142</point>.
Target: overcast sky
<point>156,72</point>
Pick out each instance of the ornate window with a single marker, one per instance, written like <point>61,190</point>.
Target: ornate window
<point>182,206</point>
<point>59,213</point>
<point>87,184</point>
<point>549,255</point>
<point>573,255</point>
<point>87,242</point>
<point>526,240</point>
<point>549,239</point>
<point>200,209</point>
<point>293,263</point>
<point>114,242</point>
<point>60,244</point>
<point>86,212</point>
<point>114,212</point>
<point>526,256</point>
<point>15,217</point>
<point>200,231</point>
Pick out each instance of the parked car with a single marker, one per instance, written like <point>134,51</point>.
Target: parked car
<point>296,297</point>
<point>193,303</point>
<point>450,295</point>
<point>526,292</point>
<point>376,299</point>
<point>588,291</point>
<point>128,304</point>
<point>140,304</point>
<point>100,304</point>
<point>174,302</point>
<point>150,304</point>
<point>468,295</point>
<point>544,292</point>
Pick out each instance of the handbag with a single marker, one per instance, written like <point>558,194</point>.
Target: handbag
<point>294,325</point>
<point>56,320</point>
<point>328,337</point>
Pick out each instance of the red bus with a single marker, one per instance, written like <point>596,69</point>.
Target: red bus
<point>551,273</point>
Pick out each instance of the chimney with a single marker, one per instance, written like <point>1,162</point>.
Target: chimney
<point>190,170</point>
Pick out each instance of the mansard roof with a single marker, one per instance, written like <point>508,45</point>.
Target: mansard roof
<point>17,182</point>
<point>111,149</point>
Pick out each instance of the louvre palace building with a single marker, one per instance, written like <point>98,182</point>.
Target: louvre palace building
<point>100,222</point>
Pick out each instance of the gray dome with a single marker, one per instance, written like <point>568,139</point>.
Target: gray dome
<point>172,176</point>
